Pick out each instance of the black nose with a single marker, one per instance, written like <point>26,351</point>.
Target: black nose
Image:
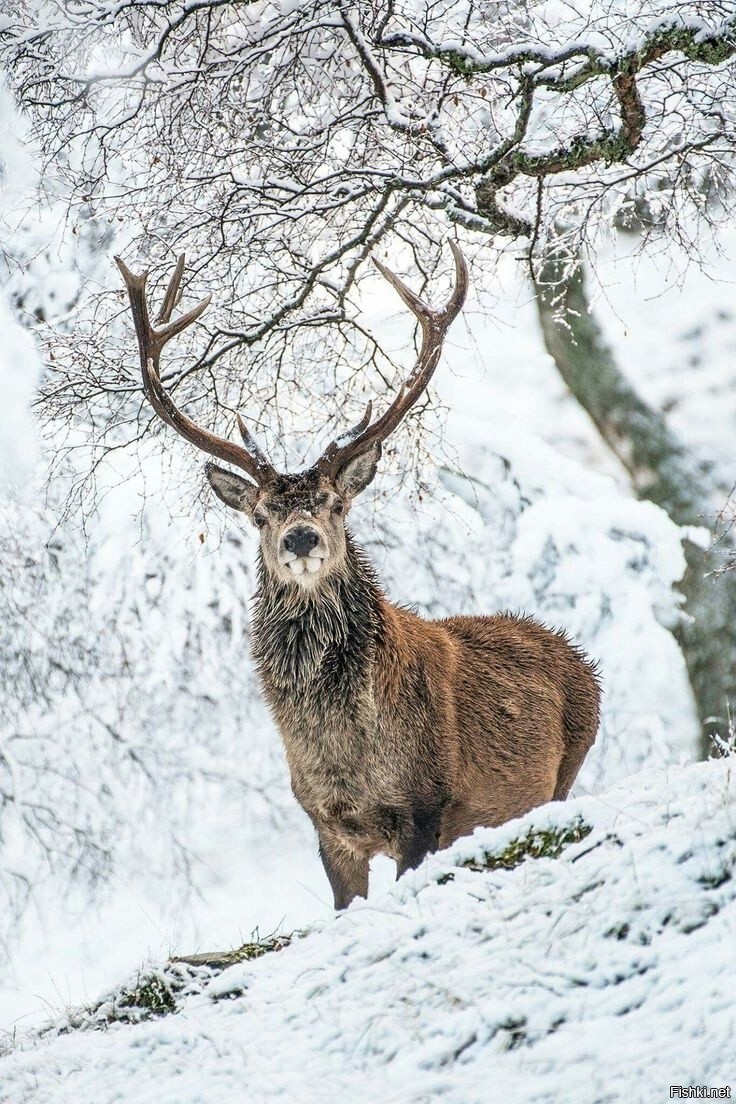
<point>301,540</point>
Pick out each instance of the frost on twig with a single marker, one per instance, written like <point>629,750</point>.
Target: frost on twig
<point>335,128</point>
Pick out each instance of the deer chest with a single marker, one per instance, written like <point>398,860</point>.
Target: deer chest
<point>350,789</point>
<point>342,762</point>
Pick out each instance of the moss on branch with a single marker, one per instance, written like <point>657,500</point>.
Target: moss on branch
<point>611,146</point>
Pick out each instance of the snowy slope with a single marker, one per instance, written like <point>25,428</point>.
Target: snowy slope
<point>602,975</point>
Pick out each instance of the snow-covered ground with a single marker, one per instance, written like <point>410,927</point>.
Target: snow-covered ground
<point>604,974</point>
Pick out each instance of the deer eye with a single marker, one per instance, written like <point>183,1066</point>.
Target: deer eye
<point>337,507</point>
<point>260,520</point>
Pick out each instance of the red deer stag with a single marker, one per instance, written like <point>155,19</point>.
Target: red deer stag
<point>401,734</point>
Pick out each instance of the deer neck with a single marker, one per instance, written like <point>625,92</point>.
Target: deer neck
<point>321,641</point>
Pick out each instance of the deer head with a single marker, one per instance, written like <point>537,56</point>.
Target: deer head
<point>301,517</point>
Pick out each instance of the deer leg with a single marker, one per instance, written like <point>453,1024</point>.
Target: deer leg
<point>419,838</point>
<point>347,875</point>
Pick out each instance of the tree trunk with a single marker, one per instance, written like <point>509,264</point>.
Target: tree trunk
<point>662,471</point>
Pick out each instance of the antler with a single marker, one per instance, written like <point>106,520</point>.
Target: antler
<point>435,324</point>
<point>150,344</point>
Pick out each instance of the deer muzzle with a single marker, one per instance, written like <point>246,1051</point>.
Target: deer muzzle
<point>302,550</point>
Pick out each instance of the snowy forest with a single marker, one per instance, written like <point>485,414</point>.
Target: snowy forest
<point>167,931</point>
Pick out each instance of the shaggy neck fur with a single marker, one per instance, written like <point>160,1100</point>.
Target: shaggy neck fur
<point>318,643</point>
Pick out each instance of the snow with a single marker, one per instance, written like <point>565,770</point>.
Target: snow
<point>144,802</point>
<point>672,325</point>
<point>19,371</point>
<point>601,975</point>
<point>19,361</point>
<point>181,831</point>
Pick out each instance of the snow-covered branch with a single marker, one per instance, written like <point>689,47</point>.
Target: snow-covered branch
<point>278,144</point>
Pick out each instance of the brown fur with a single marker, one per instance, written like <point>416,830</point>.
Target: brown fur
<point>403,734</point>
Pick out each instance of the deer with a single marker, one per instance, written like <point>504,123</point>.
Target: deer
<point>401,734</point>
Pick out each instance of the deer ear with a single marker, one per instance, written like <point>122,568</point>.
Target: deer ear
<point>358,472</point>
<point>232,489</point>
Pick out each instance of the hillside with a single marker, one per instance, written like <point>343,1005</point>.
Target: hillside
<point>496,972</point>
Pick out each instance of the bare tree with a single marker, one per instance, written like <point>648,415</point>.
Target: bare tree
<point>279,144</point>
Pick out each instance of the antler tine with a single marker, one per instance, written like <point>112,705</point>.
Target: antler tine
<point>251,444</point>
<point>150,343</point>
<point>172,296</point>
<point>335,448</point>
<point>435,324</point>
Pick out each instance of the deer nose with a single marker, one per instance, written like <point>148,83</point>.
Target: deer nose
<point>301,540</point>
